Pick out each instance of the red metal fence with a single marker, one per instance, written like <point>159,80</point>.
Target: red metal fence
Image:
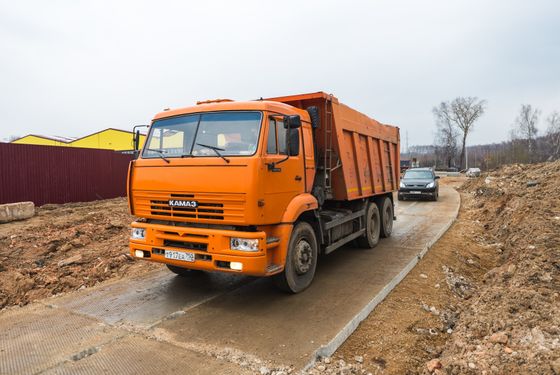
<point>51,174</point>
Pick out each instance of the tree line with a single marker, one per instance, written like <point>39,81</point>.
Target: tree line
<point>455,120</point>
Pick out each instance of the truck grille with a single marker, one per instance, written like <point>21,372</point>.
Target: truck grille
<point>211,207</point>
<point>186,245</point>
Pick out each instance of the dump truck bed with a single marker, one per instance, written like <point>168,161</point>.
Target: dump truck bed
<point>357,156</point>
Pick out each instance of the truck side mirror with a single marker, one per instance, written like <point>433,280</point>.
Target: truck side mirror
<point>136,140</point>
<point>292,122</point>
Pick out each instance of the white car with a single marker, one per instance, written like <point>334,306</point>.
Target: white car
<point>473,172</point>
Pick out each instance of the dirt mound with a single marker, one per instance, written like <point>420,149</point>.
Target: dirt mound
<point>511,324</point>
<point>485,299</point>
<point>63,248</point>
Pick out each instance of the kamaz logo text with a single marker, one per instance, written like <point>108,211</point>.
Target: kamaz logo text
<point>178,203</point>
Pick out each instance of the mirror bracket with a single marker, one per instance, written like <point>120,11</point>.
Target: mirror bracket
<point>272,166</point>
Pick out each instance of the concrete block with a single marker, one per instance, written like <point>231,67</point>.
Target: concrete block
<point>16,211</point>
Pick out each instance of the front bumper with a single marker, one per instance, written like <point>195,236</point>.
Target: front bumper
<point>211,249</point>
<point>417,192</point>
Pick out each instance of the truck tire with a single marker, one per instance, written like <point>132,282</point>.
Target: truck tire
<point>301,260</point>
<point>387,214</point>
<point>370,238</point>
<point>183,272</point>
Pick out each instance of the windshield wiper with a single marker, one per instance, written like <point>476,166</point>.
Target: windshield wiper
<point>216,150</point>
<point>160,153</point>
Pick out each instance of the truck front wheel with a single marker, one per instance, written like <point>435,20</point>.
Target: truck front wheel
<point>301,260</point>
<point>373,227</point>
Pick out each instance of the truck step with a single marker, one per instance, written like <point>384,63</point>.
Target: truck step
<point>273,267</point>
<point>270,240</point>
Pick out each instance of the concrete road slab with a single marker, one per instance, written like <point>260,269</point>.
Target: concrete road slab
<point>145,300</point>
<point>134,355</point>
<point>288,329</point>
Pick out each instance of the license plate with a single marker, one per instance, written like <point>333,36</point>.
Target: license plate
<point>415,192</point>
<point>179,255</point>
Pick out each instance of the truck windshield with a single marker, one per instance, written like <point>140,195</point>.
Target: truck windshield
<point>230,133</point>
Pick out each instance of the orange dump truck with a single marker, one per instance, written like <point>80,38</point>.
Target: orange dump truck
<point>262,187</point>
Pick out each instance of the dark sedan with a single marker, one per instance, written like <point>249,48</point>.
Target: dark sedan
<point>419,183</point>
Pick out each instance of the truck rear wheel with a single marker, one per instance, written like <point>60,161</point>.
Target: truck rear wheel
<point>301,260</point>
<point>184,272</point>
<point>370,238</point>
<point>386,207</point>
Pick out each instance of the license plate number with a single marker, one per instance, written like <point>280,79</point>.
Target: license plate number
<point>179,255</point>
<point>415,192</point>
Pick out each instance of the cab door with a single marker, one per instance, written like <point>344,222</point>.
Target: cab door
<point>284,176</point>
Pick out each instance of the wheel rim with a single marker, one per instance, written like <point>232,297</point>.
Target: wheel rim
<point>303,257</point>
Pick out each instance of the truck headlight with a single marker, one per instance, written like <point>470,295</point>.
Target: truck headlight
<point>244,244</point>
<point>138,234</point>
<point>431,185</point>
<point>402,184</point>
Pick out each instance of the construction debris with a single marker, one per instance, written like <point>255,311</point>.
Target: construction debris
<point>16,211</point>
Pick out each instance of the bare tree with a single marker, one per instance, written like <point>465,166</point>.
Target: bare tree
<point>462,114</point>
<point>553,133</point>
<point>446,143</point>
<point>525,127</point>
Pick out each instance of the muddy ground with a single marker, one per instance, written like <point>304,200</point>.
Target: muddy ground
<point>64,248</point>
<point>485,299</point>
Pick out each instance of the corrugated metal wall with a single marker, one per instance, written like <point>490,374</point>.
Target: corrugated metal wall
<point>51,174</point>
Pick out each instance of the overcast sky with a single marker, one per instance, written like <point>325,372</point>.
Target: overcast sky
<point>73,67</point>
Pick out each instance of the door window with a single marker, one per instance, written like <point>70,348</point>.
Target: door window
<point>271,143</point>
<point>276,137</point>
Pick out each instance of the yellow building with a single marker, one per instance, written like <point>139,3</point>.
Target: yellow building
<point>109,139</point>
<point>33,139</point>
